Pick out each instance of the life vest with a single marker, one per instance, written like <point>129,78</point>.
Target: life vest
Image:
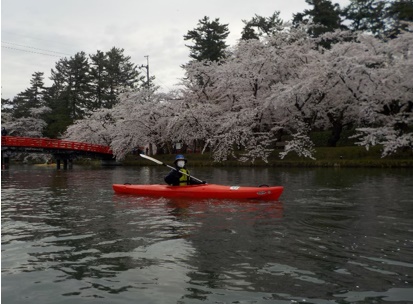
<point>184,179</point>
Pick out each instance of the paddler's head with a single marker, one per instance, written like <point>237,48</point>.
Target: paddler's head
<point>180,161</point>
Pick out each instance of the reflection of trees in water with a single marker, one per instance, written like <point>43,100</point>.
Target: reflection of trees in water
<point>71,225</point>
<point>88,241</point>
<point>229,243</point>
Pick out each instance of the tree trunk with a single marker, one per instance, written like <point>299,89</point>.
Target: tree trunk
<point>335,134</point>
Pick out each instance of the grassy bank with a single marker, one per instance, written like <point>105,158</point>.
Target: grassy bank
<point>325,157</point>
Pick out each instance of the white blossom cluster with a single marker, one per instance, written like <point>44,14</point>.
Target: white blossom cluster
<point>31,126</point>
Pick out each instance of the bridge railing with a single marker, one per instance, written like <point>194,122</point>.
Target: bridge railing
<point>48,143</point>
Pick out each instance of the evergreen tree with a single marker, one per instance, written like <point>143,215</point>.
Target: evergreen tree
<point>259,26</point>
<point>384,19</point>
<point>58,119</point>
<point>209,40</point>
<point>112,73</point>
<point>79,86</point>
<point>367,15</point>
<point>37,89</point>
<point>32,97</point>
<point>6,105</point>
<point>324,15</point>
<point>122,75</point>
<point>399,12</point>
<point>70,95</point>
<point>99,75</point>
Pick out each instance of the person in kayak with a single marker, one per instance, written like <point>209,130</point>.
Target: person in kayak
<point>176,178</point>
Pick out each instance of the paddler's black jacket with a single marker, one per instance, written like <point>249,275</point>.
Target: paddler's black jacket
<point>175,178</point>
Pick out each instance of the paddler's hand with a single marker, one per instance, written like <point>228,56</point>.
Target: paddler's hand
<point>177,174</point>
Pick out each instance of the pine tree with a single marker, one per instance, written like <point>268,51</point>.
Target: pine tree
<point>6,105</point>
<point>384,19</point>
<point>209,40</point>
<point>58,119</point>
<point>121,75</point>
<point>259,26</point>
<point>79,86</point>
<point>324,15</point>
<point>399,13</point>
<point>32,97</point>
<point>367,15</point>
<point>99,78</point>
<point>70,95</point>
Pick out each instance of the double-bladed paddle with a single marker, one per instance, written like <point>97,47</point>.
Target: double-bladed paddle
<point>161,163</point>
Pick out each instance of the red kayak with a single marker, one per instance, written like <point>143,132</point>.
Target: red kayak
<point>202,191</point>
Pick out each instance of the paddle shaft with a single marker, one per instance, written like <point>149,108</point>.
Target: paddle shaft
<point>173,168</point>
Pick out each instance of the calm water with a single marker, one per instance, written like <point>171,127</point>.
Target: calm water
<point>335,236</point>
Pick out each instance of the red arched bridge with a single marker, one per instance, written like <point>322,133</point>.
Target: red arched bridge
<point>62,150</point>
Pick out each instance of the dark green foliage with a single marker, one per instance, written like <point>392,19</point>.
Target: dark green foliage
<point>80,84</point>
<point>33,97</point>
<point>209,40</point>
<point>259,26</point>
<point>399,12</point>
<point>121,75</point>
<point>324,15</point>
<point>111,73</point>
<point>6,105</point>
<point>383,18</point>
<point>99,76</point>
<point>366,15</point>
<point>320,138</point>
<point>58,119</point>
<point>72,81</point>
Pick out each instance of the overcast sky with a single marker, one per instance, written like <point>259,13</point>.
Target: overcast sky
<point>36,33</point>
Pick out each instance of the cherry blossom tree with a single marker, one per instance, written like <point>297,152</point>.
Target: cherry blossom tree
<point>328,88</point>
<point>138,119</point>
<point>221,109</point>
<point>360,81</point>
<point>98,128</point>
<point>141,119</point>
<point>28,126</point>
<point>234,92</point>
<point>283,86</point>
<point>389,117</point>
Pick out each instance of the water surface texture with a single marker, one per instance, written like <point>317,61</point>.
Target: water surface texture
<point>336,236</point>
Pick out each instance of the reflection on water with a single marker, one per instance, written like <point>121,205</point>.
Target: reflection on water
<point>336,236</point>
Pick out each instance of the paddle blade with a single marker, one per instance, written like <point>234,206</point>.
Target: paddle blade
<point>152,159</point>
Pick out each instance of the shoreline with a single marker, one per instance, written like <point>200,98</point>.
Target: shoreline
<point>351,157</point>
<point>326,157</point>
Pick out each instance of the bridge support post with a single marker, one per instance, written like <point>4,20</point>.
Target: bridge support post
<point>67,162</point>
<point>4,161</point>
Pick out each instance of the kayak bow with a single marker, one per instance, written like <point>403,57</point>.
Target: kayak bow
<point>202,191</point>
